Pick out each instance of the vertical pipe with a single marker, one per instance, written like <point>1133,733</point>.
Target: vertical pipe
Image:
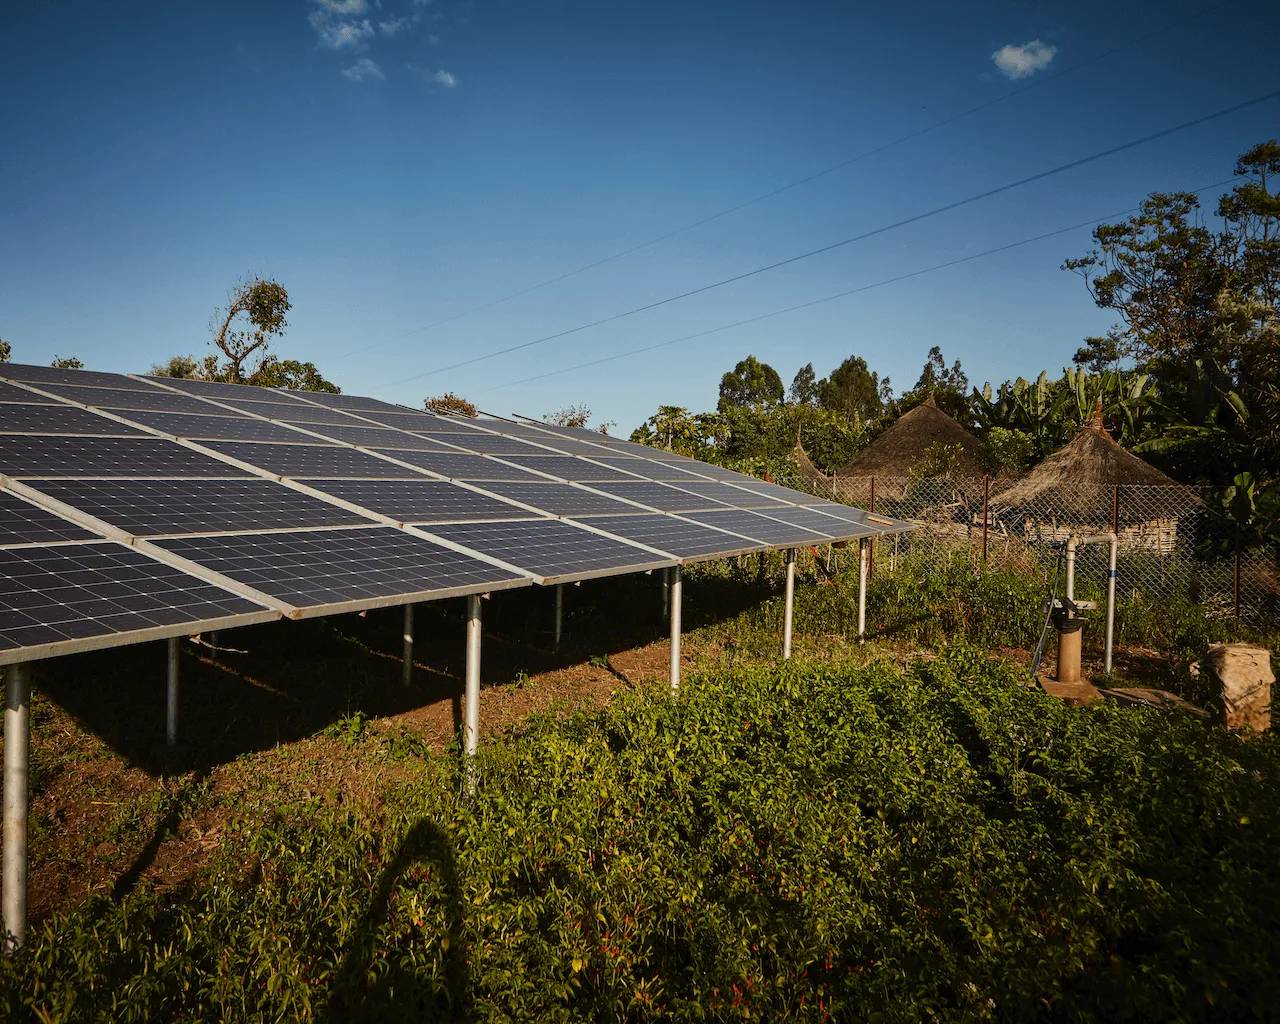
<point>171,703</point>
<point>17,729</point>
<point>788,603</point>
<point>863,565</point>
<point>1071,568</point>
<point>986,501</point>
<point>1111,604</point>
<point>666,591</point>
<point>677,587</point>
<point>471,699</point>
<point>406,669</point>
<point>558,626</point>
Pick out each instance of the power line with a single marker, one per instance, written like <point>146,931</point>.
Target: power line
<point>789,185</point>
<point>836,295</point>
<point>832,246</point>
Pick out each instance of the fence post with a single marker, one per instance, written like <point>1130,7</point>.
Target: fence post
<point>986,498</point>
<point>871,545</point>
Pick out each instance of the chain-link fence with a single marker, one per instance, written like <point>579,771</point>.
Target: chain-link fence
<point>1172,545</point>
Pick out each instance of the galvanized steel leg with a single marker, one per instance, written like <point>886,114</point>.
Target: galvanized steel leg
<point>676,587</point>
<point>1111,604</point>
<point>666,591</point>
<point>471,702</point>
<point>17,742</point>
<point>406,671</point>
<point>559,623</point>
<point>171,701</point>
<point>862,588</point>
<point>788,604</point>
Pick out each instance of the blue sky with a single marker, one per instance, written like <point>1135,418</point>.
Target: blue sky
<point>398,163</point>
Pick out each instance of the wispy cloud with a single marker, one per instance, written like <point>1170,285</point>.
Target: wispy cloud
<point>1024,60</point>
<point>364,70</point>
<point>340,35</point>
<point>445,79</point>
<point>343,8</point>
<point>394,26</point>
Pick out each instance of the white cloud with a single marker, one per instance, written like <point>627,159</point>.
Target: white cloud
<point>394,26</point>
<point>446,79</point>
<point>1025,60</point>
<point>364,70</point>
<point>343,8</point>
<point>339,35</point>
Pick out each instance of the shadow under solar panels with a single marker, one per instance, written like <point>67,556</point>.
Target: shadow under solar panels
<point>60,419</point>
<point>41,455</point>
<point>84,596</point>
<point>758,527</point>
<point>21,522</point>
<point>419,501</point>
<point>307,460</point>
<point>685,540</point>
<point>551,549</point>
<point>148,508</point>
<point>321,572</point>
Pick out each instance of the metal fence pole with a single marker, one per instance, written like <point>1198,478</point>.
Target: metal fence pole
<point>1111,604</point>
<point>788,603</point>
<point>17,743</point>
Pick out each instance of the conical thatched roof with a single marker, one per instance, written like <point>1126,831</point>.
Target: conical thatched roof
<point>898,449</point>
<point>1081,478</point>
<point>805,468</point>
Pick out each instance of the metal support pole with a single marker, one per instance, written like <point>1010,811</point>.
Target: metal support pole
<point>863,559</point>
<point>676,588</point>
<point>1111,604</point>
<point>171,703</point>
<point>788,604</point>
<point>471,702</point>
<point>666,591</point>
<point>558,627</point>
<point>406,668</point>
<point>1071,568</point>
<point>17,742</point>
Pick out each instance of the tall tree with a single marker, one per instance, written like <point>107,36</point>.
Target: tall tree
<point>449,404</point>
<point>292,374</point>
<point>948,386</point>
<point>6,351</point>
<point>750,384</point>
<point>804,386</point>
<point>570,416</point>
<point>852,391</point>
<point>67,363</point>
<point>254,315</point>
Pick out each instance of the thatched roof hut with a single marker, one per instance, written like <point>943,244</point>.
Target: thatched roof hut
<point>898,451</point>
<point>808,474</point>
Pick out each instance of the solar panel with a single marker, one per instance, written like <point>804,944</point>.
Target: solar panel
<point>116,398</point>
<point>375,437</point>
<point>24,523</point>
<point>487,444</point>
<point>293,412</point>
<point>551,549</point>
<point>318,569</point>
<point>683,539</point>
<point>569,467</point>
<point>659,496</point>
<point>38,455</point>
<point>355,403</point>
<point>729,495</point>
<point>809,519</point>
<point>419,501</point>
<point>558,499</point>
<point>224,428</point>
<point>782,493</point>
<point>305,460</point>
<point>758,527</point>
<point>648,469</point>
<point>11,393</point>
<point>460,466</point>
<point>147,508</point>
<point>885,524</point>
<point>81,592</point>
<point>40,375</point>
<point>58,419</point>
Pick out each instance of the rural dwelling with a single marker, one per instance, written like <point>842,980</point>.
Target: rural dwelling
<point>1087,485</point>
<point>808,477</point>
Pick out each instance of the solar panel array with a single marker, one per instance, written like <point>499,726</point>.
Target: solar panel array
<point>133,508</point>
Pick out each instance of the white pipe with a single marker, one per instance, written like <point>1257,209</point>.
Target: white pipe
<point>17,742</point>
<point>171,703</point>
<point>406,668</point>
<point>1071,568</point>
<point>559,623</point>
<point>471,703</point>
<point>788,603</point>
<point>862,588</point>
<point>1111,602</point>
<point>676,595</point>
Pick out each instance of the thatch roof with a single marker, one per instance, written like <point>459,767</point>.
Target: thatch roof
<point>1080,479</point>
<point>805,468</point>
<point>896,452</point>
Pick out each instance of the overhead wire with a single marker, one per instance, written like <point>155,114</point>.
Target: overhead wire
<point>862,236</point>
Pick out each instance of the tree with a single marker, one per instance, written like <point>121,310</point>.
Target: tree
<point>66,363</point>
<point>291,374</point>
<point>6,351</point>
<point>449,404</point>
<point>1099,354</point>
<point>569,416</point>
<point>189,368</point>
<point>948,386</point>
<point>750,383</point>
<point>804,386</point>
<point>853,390</point>
<point>263,303</point>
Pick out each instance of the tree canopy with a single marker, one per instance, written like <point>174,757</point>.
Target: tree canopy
<point>750,383</point>
<point>449,404</point>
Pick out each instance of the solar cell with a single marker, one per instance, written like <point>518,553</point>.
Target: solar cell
<point>40,375</point>
<point>683,539</point>
<point>551,549</point>
<point>148,508</point>
<point>58,419</point>
<point>316,570</point>
<point>98,591</point>
<point>569,467</point>
<point>117,399</point>
<point>460,466</point>
<point>24,523</point>
<point>419,501</point>
<point>659,496</point>
<point>12,393</point>
<point>758,527</point>
<point>37,455</point>
<point>558,499</point>
<point>223,428</point>
<point>305,460</point>
<point>375,437</point>
<point>730,495</point>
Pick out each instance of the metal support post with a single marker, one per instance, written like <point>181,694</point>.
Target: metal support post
<point>788,604</point>
<point>171,702</point>
<point>1071,568</point>
<point>666,591</point>
<point>676,588</point>
<point>558,627</point>
<point>17,742</point>
<point>862,587</point>
<point>471,701</point>
<point>1111,603</point>
<point>406,669</point>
